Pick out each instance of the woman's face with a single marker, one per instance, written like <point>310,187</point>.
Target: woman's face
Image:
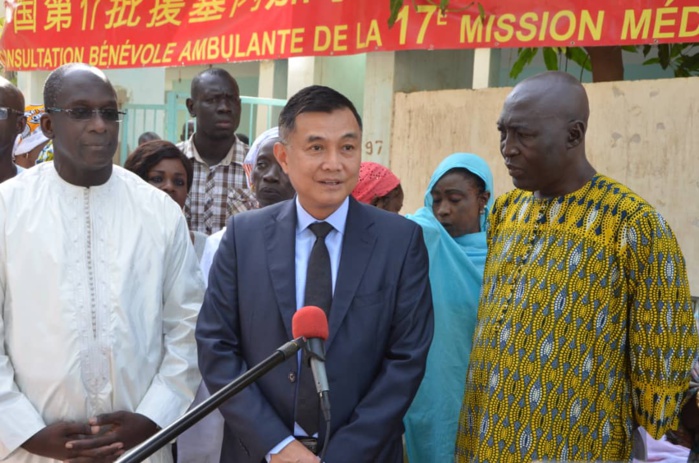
<point>457,203</point>
<point>270,183</point>
<point>170,176</point>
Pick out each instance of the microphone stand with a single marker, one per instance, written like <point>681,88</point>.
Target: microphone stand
<point>186,421</point>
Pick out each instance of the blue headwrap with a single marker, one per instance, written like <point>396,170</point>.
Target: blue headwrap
<point>456,277</point>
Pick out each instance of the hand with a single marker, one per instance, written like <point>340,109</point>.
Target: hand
<point>53,442</point>
<point>295,452</point>
<point>128,428</point>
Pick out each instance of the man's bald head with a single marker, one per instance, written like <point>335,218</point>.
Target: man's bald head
<point>552,94</point>
<point>54,82</point>
<point>542,134</point>
<point>11,96</point>
<point>11,125</point>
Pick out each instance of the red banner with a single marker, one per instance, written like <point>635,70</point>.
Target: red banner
<point>43,34</point>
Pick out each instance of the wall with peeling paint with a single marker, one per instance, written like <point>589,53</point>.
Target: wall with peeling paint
<point>644,134</point>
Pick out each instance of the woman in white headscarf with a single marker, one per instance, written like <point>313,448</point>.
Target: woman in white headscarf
<point>264,174</point>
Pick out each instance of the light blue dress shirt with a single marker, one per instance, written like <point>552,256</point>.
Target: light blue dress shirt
<point>304,244</point>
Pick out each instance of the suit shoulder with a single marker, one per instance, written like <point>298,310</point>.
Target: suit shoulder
<point>256,217</point>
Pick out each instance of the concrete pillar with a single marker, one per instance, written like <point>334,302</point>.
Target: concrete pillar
<point>481,68</point>
<point>32,85</point>
<point>272,84</point>
<point>378,106</point>
<point>303,72</point>
<point>486,67</point>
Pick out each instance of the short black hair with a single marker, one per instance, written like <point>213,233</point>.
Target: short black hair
<point>53,85</point>
<point>213,72</point>
<point>54,82</point>
<point>147,155</point>
<point>313,99</point>
<point>148,136</point>
<point>15,97</point>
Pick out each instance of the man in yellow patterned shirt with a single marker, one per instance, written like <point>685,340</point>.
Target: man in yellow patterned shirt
<point>585,328</point>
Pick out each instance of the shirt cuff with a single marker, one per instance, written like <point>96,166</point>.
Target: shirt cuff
<point>279,447</point>
<point>18,422</point>
<point>162,406</point>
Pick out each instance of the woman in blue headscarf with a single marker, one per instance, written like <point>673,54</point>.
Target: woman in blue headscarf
<point>453,222</point>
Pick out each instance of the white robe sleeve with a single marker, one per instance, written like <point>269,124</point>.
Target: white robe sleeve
<point>19,420</point>
<point>172,389</point>
<point>210,248</point>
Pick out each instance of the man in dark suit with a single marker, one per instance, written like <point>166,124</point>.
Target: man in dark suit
<point>380,314</point>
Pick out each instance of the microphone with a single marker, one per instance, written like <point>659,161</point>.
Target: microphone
<point>311,323</point>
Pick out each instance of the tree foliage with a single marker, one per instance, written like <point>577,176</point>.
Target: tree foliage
<point>682,58</point>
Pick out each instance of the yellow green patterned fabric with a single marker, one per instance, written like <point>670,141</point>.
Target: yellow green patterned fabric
<point>585,328</point>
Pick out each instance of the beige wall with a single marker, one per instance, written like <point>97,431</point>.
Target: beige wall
<point>644,134</point>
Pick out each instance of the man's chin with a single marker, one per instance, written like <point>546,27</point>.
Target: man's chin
<point>220,135</point>
<point>269,197</point>
<point>522,185</point>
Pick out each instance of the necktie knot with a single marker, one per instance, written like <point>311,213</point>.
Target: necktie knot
<point>321,229</point>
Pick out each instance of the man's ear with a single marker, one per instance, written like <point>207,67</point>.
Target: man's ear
<point>375,201</point>
<point>280,153</point>
<point>190,106</point>
<point>47,126</point>
<point>576,133</point>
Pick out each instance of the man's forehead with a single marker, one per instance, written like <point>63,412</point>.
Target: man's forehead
<point>78,90</point>
<point>338,120</point>
<point>9,95</point>
<point>523,108</point>
<point>216,84</point>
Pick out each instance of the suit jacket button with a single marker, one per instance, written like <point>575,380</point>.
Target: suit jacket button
<point>292,377</point>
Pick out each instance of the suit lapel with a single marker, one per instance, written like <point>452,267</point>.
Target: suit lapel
<point>357,245</point>
<point>280,239</point>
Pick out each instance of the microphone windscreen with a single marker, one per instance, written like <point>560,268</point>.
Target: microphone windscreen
<point>310,322</point>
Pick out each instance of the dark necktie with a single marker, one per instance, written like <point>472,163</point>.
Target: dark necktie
<point>319,292</point>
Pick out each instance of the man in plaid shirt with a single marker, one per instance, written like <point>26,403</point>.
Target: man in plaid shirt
<point>219,189</point>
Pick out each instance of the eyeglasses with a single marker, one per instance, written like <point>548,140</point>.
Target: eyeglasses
<point>83,114</point>
<point>5,112</point>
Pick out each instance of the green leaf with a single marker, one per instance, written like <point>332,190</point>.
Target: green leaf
<point>651,61</point>
<point>691,62</point>
<point>676,50</point>
<point>524,57</point>
<point>550,59</point>
<point>646,50</point>
<point>630,48</point>
<point>580,57</point>
<point>481,11</point>
<point>443,5</point>
<point>396,5</point>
